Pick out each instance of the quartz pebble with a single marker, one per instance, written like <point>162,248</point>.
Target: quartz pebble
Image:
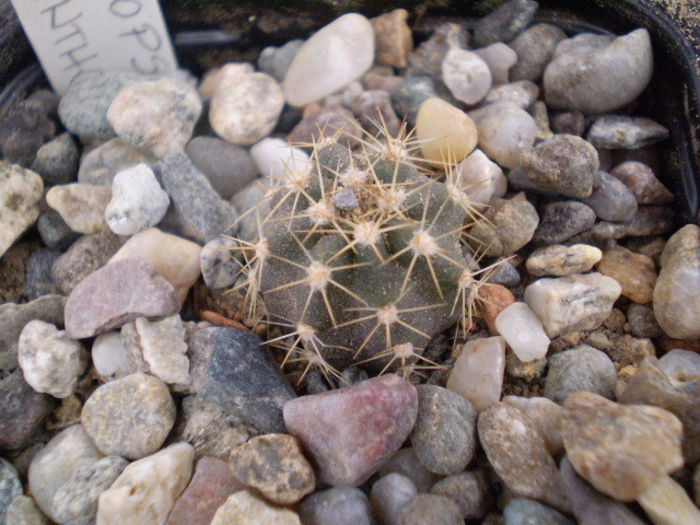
<point>394,39</point>
<point>467,75</point>
<point>156,116</point>
<point>636,273</point>
<point>505,22</point>
<point>57,160</point>
<point>130,416</point>
<point>101,164</point>
<point>138,202</point>
<point>405,462</point>
<point>228,167</point>
<point>430,509</point>
<point>469,490</point>
<point>522,93</point>
<point>444,435</point>
<point>581,368</point>
<point>212,482</point>
<point>598,73</point>
<point>523,332</point>
<point>508,226</point>
<point>20,192</point>
<point>276,159</point>
<point>23,511</point>
<point>50,361</point>
<point>339,506</point>
<point>329,425</point>
<point>446,133</point>
<point>499,58</point>
<point>333,57</point>
<point>621,450</point>
<point>109,356</point>
<point>545,415</point>
<point>82,206</point>
<point>478,372</point>
<point>562,220</point>
<point>146,490</point>
<point>10,487</point>
<point>623,132</point>
<point>640,179</point>
<point>243,507</point>
<point>388,496</point>
<point>576,302</point>
<point>22,411</point>
<point>534,48</point>
<point>274,465</point>
<point>505,131</point>
<point>523,511</point>
<point>560,261</point>
<point>481,180</point>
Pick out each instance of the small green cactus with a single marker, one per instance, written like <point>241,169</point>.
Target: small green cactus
<point>360,259</point>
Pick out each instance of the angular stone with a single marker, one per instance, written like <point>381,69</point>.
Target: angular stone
<point>535,48</point>
<point>469,490</point>
<point>243,507</point>
<point>274,465</point>
<point>560,261</point>
<point>581,368</point>
<point>523,511</point>
<point>39,281</point>
<point>523,332</point>
<point>275,61</point>
<point>82,206</point>
<point>621,450</point>
<point>20,193</point>
<point>130,416</point>
<point>388,496</point>
<point>623,132</point>
<point>505,22</point>
<point>611,200</point>
<point>569,122</point>
<point>350,432</point>
<point>333,57</point>
<point>228,167</point>
<point>508,226</point>
<point>339,505</point>
<point>101,164</point>
<point>640,179</point>
<point>466,75</point>
<point>477,374</point>
<point>505,132</point>
<point>117,294</point>
<point>576,302</point>
<point>446,133</point>
<point>54,231</point>
<point>546,416</point>
<point>394,39</point>
<point>635,272</point>
<point>146,490</point>
<point>430,509</point>
<point>22,411</point>
<point>57,160</point>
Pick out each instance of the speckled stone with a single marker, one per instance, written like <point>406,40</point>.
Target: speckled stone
<point>546,415</point>
<point>535,48</point>
<point>22,411</point>
<point>559,260</point>
<point>20,192</point>
<point>228,167</point>
<point>581,368</point>
<point>340,506</point>
<point>219,264</point>
<point>562,220</point>
<point>469,490</point>
<point>243,507</point>
<point>130,416</point>
<point>101,164</point>
<point>10,487</point>
<point>510,224</point>
<point>640,179</point>
<point>522,93</point>
<point>24,127</point>
<point>23,511</point>
<point>57,160</point>
<point>82,206</point>
<point>430,509</point>
<point>623,132</point>
<point>635,272</point>
<point>504,23</point>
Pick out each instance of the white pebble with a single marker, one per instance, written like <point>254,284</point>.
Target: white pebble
<point>466,75</point>
<point>389,494</point>
<point>478,373</point>
<point>276,158</point>
<point>480,179</point>
<point>109,356</point>
<point>523,332</point>
<point>499,58</point>
<point>681,366</point>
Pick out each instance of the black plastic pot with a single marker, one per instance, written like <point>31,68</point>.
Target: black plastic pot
<point>210,31</point>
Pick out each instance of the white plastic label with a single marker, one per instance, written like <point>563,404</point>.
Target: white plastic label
<point>84,37</point>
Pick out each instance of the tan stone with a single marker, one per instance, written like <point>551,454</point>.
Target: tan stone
<point>242,508</point>
<point>635,272</point>
<point>394,40</point>
<point>82,206</point>
<point>560,260</point>
<point>446,134</point>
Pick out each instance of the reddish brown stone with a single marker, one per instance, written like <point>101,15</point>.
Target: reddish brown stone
<point>640,178</point>
<point>493,299</point>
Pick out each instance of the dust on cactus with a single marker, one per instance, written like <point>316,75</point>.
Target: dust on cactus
<point>360,258</point>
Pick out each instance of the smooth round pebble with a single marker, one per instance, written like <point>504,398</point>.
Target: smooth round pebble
<point>523,511</point>
<point>523,332</point>
<point>243,507</point>
<point>275,61</point>
<point>480,179</point>
<point>109,356</point>
<point>505,130</point>
<point>611,200</point>
<point>581,368</point>
<point>405,462</point>
<point>228,167</point>
<point>446,133</point>
<point>467,75</point>
<point>477,375</point>
<point>57,160</point>
<point>82,206</point>
<point>389,494</point>
<point>469,490</point>
<point>430,509</point>
<point>559,260</point>
<point>339,506</point>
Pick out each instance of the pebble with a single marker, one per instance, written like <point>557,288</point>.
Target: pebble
<point>275,61</point>
<point>666,503</point>
<point>564,164</point>
<point>101,164</point>
<point>467,75</point>
<point>589,506</point>
<point>681,366</point>
<point>642,322</point>
<point>175,258</point>
<point>523,511</point>
<point>388,496</point>
<point>228,167</point>
<point>54,231</point>
<point>409,96</point>
<point>621,450</point>
<point>378,80</point>
<point>146,490</point>
<point>350,432</point>
<point>197,212</point>
<point>276,159</point>
<point>481,180</point>
<point>504,23</point>
<point>545,415</point>
<point>640,179</point>
<point>534,48</point>
<point>562,220</point>
<point>67,454</point>
<point>212,482</point>
<point>138,202</point>
<point>477,374</point>
<point>130,416</point>
<point>394,40</point>
<point>560,261</point>
<point>427,58</point>
<point>23,511</point>
<point>581,368</point>
<point>212,79</point>
<point>243,507</point>
<point>20,192</point>
<point>430,509</point>
<point>444,435</point>
<point>374,111</point>
<point>109,356</point>
<point>116,294</point>
<point>523,332</point>
<point>575,302</point>
<point>82,206</point>
<point>339,506</point>
<point>330,59</point>
<point>23,129</point>
<point>505,132</point>
<point>505,274</point>
<point>469,490</point>
<point>245,108</point>
<point>273,465</point>
<point>676,305</point>
<point>648,221</point>
<point>635,272</point>
<point>232,368</point>
<point>623,132</point>
<point>10,487</point>
<point>39,281</point>
<point>446,134</point>
<point>50,361</point>
<point>83,109</point>
<point>219,264</point>
<point>405,462</point>
<point>76,501</point>
<point>522,93</point>
<point>493,299</point>
<point>538,110</point>
<point>57,160</point>
<point>519,455</point>
<point>569,122</point>
<point>499,58</point>
<point>528,370</point>
<point>611,200</point>
<point>320,123</point>
<point>508,226</point>
<point>598,73</point>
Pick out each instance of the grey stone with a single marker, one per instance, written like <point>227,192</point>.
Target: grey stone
<point>388,496</point>
<point>642,322</point>
<point>275,61</point>
<point>430,509</point>
<point>374,111</point>
<point>522,93</point>
<point>345,200</point>
<point>39,281</point>
<point>196,212</point>
<point>648,221</point>
<point>611,200</point>
<point>535,48</point>
<point>54,231</point>
<point>444,435</point>
<point>228,167</point>
<point>101,164</point>
<point>569,122</point>
<point>410,95</point>
<point>405,462</point>
<point>23,129</point>
<point>623,132</point>
<point>219,264</point>
<point>504,23</point>
<point>562,220</point>
<point>581,368</point>
<point>641,179</point>
<point>469,490</point>
<point>23,511</point>
<point>426,60</point>
<point>337,506</point>
<point>510,224</point>
<point>10,487</point>
<point>233,369</point>
<point>522,511</point>
<point>57,160</point>
<point>505,274</point>
<point>22,411</point>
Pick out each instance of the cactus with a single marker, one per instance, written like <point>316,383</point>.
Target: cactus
<point>360,259</point>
